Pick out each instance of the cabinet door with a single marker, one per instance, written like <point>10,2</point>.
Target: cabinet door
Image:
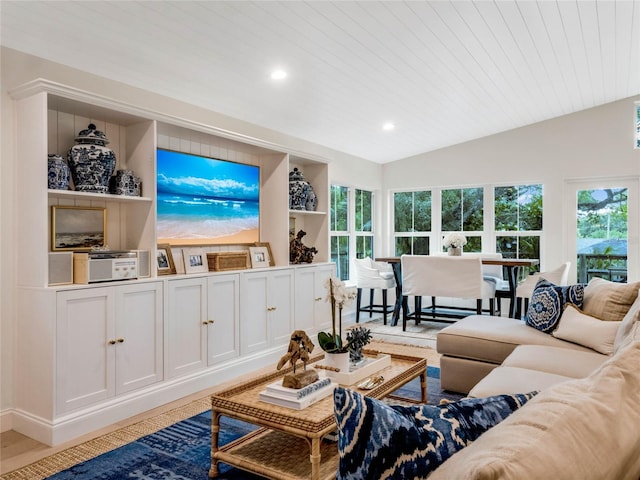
<point>86,348</point>
<point>254,314</point>
<point>186,326</point>
<point>223,319</point>
<point>138,336</point>
<point>312,311</point>
<point>280,306</point>
<point>322,308</point>
<point>305,299</point>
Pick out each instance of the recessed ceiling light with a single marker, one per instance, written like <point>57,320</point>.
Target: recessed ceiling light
<point>278,74</point>
<point>388,126</point>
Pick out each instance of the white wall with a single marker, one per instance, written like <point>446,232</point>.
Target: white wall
<point>593,143</point>
<point>18,68</point>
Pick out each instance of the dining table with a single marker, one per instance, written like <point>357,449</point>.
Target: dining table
<point>512,267</point>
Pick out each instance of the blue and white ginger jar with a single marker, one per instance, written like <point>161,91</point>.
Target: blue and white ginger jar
<point>91,162</point>
<point>301,194</point>
<point>59,174</point>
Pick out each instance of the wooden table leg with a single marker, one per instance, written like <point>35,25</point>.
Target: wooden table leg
<point>315,458</point>
<point>215,430</point>
<point>423,387</point>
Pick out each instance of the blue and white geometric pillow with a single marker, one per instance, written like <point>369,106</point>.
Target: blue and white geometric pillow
<point>548,302</point>
<point>376,440</point>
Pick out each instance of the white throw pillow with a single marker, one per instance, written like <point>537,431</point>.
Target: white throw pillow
<point>576,327</point>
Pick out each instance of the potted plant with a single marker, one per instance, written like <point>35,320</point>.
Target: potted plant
<point>336,349</point>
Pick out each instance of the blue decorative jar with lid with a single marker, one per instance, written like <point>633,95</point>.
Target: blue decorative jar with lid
<point>301,194</point>
<point>91,162</point>
<point>59,174</point>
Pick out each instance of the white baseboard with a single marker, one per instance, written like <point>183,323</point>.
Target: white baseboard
<point>6,420</point>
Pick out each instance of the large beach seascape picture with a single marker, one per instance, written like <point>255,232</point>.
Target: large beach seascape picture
<point>206,201</point>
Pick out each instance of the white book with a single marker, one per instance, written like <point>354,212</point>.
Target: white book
<point>297,393</point>
<point>298,404</point>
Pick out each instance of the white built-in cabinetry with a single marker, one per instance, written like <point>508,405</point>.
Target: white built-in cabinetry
<point>90,355</point>
<point>268,309</point>
<point>203,318</point>
<point>312,310</point>
<point>109,342</point>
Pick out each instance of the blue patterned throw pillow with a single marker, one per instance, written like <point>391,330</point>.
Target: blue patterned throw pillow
<point>547,304</point>
<point>376,440</point>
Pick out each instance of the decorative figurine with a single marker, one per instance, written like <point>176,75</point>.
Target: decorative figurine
<point>300,347</point>
<point>300,253</point>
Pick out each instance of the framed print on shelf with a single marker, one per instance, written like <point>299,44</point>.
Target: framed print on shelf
<point>194,261</point>
<point>259,257</point>
<point>164,260</point>
<point>272,262</point>
<point>78,229</point>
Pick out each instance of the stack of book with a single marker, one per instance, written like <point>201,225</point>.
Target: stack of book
<point>297,398</point>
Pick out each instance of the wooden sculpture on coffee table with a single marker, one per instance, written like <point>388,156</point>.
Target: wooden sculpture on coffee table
<point>300,348</point>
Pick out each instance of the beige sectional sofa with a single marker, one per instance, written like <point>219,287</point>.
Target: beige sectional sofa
<point>483,355</point>
<point>583,429</point>
<point>583,423</point>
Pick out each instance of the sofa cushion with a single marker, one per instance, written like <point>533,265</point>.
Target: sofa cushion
<point>548,302</point>
<point>627,323</point>
<point>376,440</point>
<point>585,428</point>
<point>609,300</point>
<point>492,339</point>
<point>503,380</point>
<point>556,360</point>
<point>576,327</point>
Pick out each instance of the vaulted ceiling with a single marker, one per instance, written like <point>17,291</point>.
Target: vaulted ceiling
<point>442,72</point>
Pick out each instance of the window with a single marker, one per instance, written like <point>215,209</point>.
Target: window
<point>364,223</point>
<point>340,230</point>
<point>518,220</point>
<point>463,211</point>
<point>412,222</point>
<point>349,235</point>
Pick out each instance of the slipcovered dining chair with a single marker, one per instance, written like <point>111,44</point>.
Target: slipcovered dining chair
<point>557,276</point>
<point>444,276</point>
<point>373,275</point>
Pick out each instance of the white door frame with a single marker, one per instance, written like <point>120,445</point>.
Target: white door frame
<point>572,186</point>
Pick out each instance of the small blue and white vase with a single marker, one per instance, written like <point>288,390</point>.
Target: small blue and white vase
<point>125,183</point>
<point>59,174</point>
<point>91,162</point>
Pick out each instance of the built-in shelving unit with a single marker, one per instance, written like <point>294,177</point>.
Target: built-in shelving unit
<point>90,355</point>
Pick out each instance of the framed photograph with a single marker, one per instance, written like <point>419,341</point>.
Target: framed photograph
<point>78,229</point>
<point>272,262</point>
<point>164,260</point>
<point>259,257</point>
<point>194,261</point>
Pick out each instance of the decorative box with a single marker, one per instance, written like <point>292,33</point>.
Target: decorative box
<point>227,261</point>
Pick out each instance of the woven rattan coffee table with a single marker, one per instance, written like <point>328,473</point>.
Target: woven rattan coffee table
<point>289,444</point>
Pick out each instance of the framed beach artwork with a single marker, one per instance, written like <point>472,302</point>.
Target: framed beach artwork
<point>206,201</point>
<point>78,229</point>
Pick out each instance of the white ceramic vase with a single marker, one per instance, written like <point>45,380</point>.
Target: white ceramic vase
<point>337,360</point>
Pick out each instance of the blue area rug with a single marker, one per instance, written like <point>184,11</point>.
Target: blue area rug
<point>183,450</point>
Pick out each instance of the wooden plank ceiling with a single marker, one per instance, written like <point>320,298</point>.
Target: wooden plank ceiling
<point>443,72</point>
